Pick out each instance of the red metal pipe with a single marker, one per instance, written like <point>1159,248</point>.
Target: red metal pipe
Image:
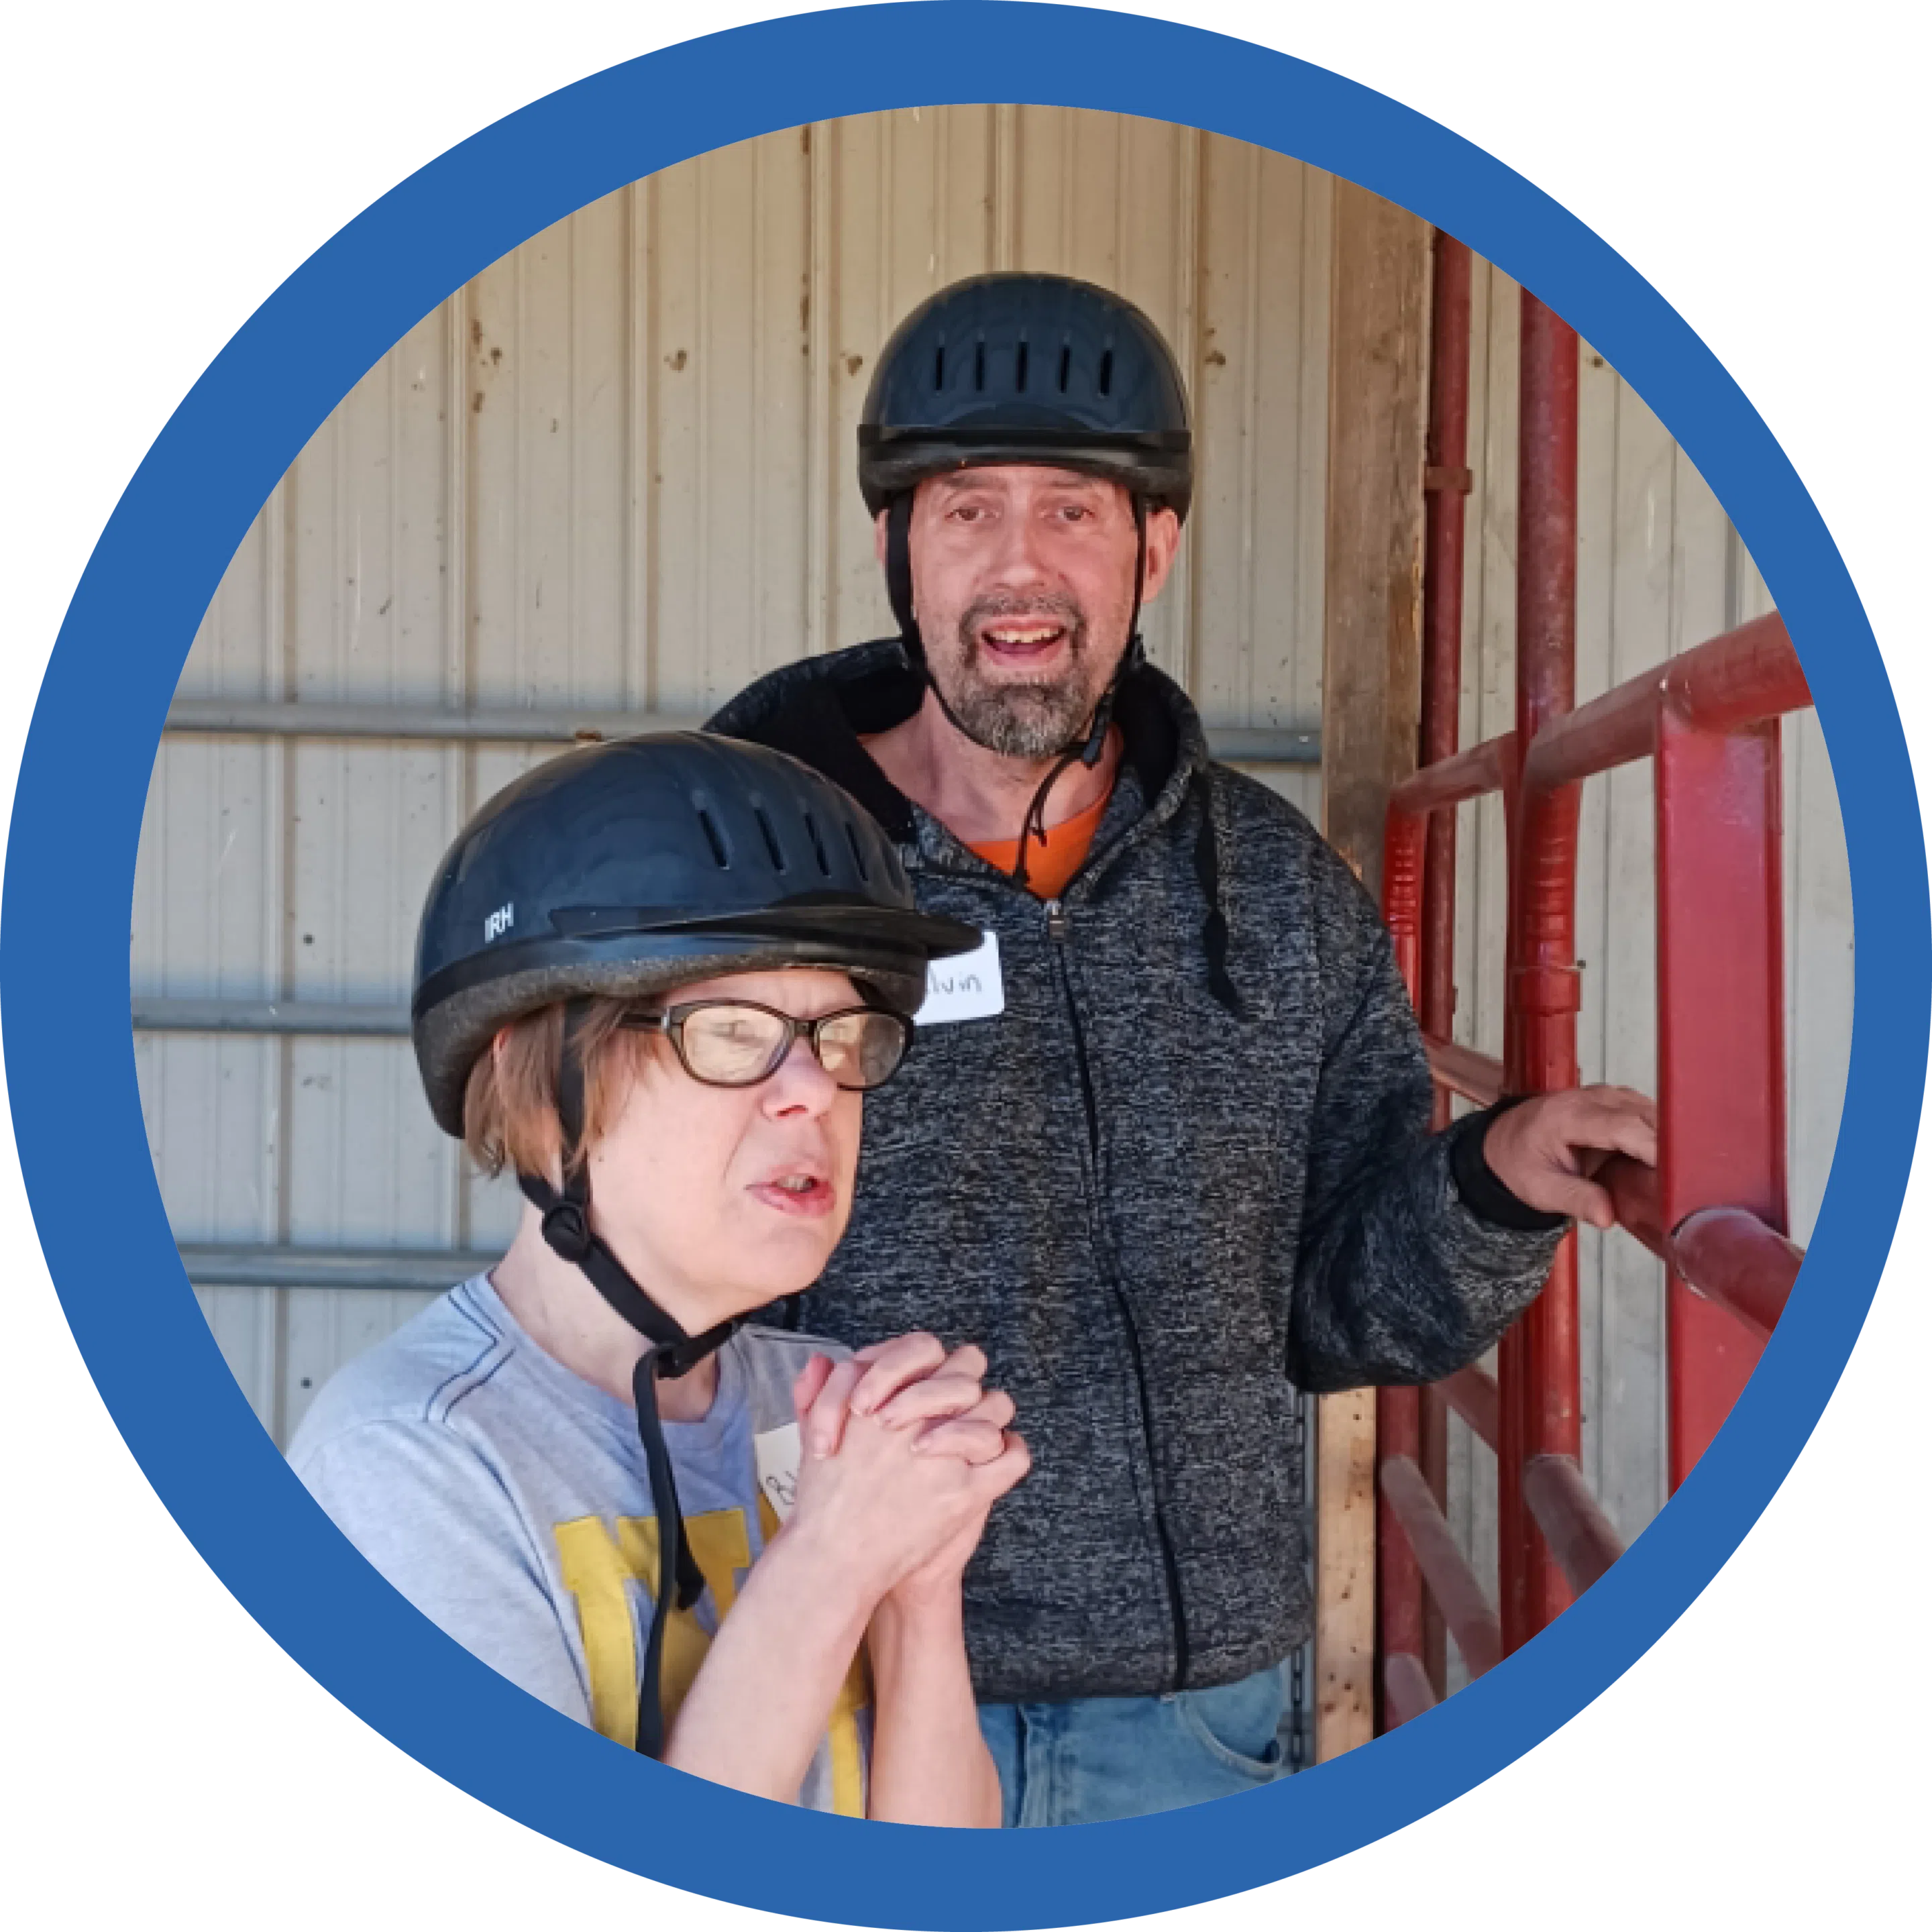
<point>1540,1359</point>
<point>1472,1394</point>
<point>1632,1188</point>
<point>1471,1621</point>
<point>1448,473</point>
<point>1461,1069</point>
<point>1728,1256</point>
<point>1740,679</point>
<point>1406,1690</point>
<point>1584,1541</point>
<point>1720,1035</point>
<point>1435,1461</point>
<point>1485,767</point>
<point>1755,675</point>
<point>1399,1592</point>
<point>1446,481</point>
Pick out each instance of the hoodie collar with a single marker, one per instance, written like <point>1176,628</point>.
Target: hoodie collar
<point>818,710</point>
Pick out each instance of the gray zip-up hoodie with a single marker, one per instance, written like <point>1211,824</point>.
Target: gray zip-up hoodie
<point>1187,1169</point>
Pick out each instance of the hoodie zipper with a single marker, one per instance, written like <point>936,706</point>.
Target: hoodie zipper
<point>1057,929</point>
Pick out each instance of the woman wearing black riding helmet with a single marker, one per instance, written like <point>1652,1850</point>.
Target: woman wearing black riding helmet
<point>654,979</point>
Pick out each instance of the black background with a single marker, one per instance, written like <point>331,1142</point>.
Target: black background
<point>169,176</point>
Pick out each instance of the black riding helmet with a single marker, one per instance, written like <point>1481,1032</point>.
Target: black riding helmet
<point>624,870</point>
<point>1021,367</point>
<point>1027,368</point>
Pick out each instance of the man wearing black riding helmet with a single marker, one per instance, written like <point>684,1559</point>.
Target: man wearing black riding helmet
<point>1165,1153</point>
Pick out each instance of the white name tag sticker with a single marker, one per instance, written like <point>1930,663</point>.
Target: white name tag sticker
<point>966,987</point>
<point>778,1451</point>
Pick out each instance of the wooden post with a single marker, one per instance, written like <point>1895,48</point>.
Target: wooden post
<point>1371,719</point>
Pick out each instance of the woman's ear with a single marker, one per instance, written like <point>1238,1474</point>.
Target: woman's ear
<point>499,1045</point>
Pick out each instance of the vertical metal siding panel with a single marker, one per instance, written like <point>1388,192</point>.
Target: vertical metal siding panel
<point>1489,659</point>
<point>1820,1016</point>
<point>1259,383</point>
<point>684,362</point>
<point>1643,570</point>
<point>204,922</point>
<point>370,822</point>
<point>483,472</point>
<point>596,433</point>
<point>822,493</point>
<point>1311,535</point>
<point>1154,214</point>
<point>1471,1472</point>
<point>1819,951</point>
<point>968,225</point>
<point>717,658</point>
<point>853,312</point>
<point>910,206</point>
<point>778,451</point>
<point>1243,635</point>
<point>544,498</point>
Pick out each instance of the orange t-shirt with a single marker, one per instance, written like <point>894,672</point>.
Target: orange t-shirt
<point>1049,867</point>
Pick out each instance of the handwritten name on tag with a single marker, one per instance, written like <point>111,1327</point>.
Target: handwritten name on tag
<point>967,987</point>
<point>778,1451</point>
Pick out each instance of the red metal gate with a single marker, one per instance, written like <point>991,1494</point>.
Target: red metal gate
<point>1714,1210</point>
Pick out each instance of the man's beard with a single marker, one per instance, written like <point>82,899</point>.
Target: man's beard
<point>1035,718</point>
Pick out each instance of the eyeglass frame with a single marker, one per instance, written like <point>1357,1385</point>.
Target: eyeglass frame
<point>670,1021</point>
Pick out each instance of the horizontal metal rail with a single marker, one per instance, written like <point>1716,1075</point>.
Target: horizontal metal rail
<point>269,1016</point>
<point>1472,1394</point>
<point>1730,1257</point>
<point>1476,1076</point>
<point>1236,744</point>
<point>1406,1689</point>
<point>275,1264</point>
<point>1726,1255</point>
<point>1747,675</point>
<point>1457,779</point>
<point>1580,1537</point>
<point>1465,1609</point>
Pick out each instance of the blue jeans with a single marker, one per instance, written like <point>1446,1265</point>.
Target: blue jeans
<point>1093,1758</point>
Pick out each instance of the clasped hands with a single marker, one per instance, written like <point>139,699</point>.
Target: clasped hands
<point>903,1452</point>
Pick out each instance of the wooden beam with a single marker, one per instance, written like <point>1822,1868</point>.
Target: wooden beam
<point>1371,714</point>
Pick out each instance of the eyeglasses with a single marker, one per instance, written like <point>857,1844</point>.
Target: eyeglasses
<point>737,1043</point>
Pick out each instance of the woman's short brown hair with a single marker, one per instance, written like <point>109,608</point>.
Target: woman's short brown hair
<point>509,1104</point>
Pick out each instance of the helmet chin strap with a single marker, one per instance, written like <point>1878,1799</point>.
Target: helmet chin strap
<point>674,1352</point>
<point>1086,747</point>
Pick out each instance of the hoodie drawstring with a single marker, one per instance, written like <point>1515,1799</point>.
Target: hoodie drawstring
<point>1214,927</point>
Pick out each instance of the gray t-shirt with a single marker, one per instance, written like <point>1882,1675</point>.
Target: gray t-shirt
<point>508,1500</point>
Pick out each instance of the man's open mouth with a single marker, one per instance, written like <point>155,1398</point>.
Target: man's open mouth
<point>1017,641</point>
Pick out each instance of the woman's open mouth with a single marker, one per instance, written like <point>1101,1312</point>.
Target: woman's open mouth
<point>807,1195</point>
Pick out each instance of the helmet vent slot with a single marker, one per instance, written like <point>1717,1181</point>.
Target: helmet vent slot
<point>939,363</point>
<point>979,364</point>
<point>1066,363</point>
<point>1107,372</point>
<point>772,846</point>
<point>1020,367</point>
<point>720,850</point>
<point>858,852</point>
<point>817,845</point>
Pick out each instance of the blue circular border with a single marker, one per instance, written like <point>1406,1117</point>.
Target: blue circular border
<point>69,884</point>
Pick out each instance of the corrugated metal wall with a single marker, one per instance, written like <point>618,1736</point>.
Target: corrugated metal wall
<point>615,470</point>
